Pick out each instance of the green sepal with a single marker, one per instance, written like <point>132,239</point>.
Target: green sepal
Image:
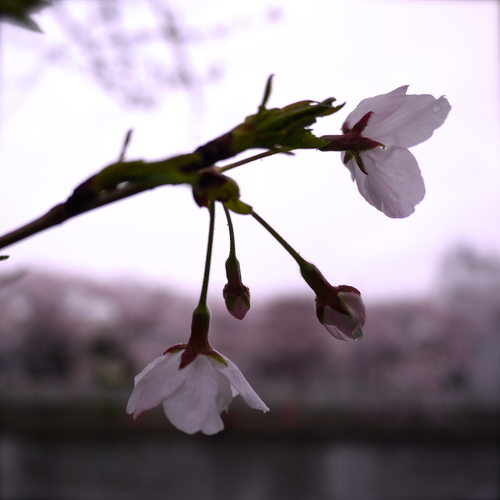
<point>215,355</point>
<point>237,206</point>
<point>282,127</point>
<point>4,257</point>
<point>175,348</point>
<point>267,93</point>
<point>303,139</point>
<point>211,185</point>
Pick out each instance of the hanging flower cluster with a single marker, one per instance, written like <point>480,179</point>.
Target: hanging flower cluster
<point>193,381</point>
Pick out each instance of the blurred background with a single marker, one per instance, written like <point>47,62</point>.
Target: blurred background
<point>411,411</point>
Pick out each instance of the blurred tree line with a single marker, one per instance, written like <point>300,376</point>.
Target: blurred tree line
<point>86,335</point>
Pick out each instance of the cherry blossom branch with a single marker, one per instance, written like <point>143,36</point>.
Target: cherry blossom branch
<point>279,130</point>
<point>61,213</point>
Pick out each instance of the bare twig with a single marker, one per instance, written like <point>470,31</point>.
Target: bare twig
<point>64,211</point>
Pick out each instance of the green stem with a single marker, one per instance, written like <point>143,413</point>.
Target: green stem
<point>198,340</point>
<point>309,272</point>
<point>248,160</point>
<point>232,245</point>
<point>202,304</point>
<point>300,261</point>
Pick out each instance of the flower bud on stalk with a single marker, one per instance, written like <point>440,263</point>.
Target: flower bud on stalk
<point>193,382</point>
<point>339,308</point>
<point>236,294</point>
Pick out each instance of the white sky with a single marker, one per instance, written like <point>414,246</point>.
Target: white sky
<point>63,129</point>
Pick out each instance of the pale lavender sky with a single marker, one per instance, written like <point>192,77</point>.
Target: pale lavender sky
<point>63,129</point>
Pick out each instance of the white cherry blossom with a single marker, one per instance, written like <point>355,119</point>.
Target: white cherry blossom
<point>386,173</point>
<point>194,396</point>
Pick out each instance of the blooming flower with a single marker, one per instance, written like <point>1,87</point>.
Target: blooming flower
<point>375,141</point>
<point>342,312</point>
<point>193,396</point>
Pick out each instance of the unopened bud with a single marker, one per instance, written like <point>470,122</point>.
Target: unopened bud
<point>235,293</point>
<point>339,308</point>
<point>237,300</point>
<point>342,312</point>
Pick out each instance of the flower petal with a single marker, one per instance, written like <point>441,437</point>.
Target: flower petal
<point>382,105</point>
<point>193,397</point>
<point>156,382</point>
<point>411,123</point>
<point>336,332</point>
<point>394,184</point>
<point>240,384</point>
<point>400,120</point>
<point>342,326</point>
<point>198,403</point>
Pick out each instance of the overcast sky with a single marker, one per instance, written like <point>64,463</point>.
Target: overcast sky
<point>62,128</point>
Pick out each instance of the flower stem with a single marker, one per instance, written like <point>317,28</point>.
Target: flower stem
<point>311,274</point>
<point>248,160</point>
<point>200,324</point>
<point>295,255</point>
<point>236,294</point>
<point>202,303</point>
<point>232,245</point>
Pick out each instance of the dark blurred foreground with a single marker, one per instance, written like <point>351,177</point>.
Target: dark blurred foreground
<point>235,466</point>
<point>74,448</point>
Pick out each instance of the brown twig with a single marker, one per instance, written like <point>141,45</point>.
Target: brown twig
<point>61,213</point>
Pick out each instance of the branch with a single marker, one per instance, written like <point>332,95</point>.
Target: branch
<point>279,130</point>
<point>62,212</point>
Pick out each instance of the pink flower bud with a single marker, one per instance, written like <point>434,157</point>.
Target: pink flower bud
<point>342,312</point>
<point>235,293</point>
<point>237,298</point>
